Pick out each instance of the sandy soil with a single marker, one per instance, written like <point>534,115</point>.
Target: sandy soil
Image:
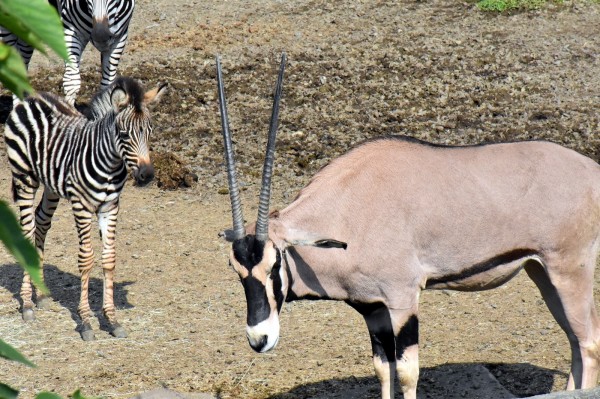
<point>438,70</point>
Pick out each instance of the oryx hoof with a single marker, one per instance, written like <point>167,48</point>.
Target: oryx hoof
<point>28,314</point>
<point>119,332</point>
<point>44,303</point>
<point>87,334</point>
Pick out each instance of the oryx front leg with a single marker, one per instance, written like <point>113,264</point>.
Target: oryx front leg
<point>381,332</point>
<point>406,332</point>
<point>107,220</point>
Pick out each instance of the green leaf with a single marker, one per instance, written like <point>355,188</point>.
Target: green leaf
<point>10,353</point>
<point>47,395</point>
<point>77,395</point>
<point>35,21</point>
<point>20,247</point>
<point>12,71</point>
<point>7,392</point>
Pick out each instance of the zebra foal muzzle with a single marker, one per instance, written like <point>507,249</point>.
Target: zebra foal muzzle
<point>143,174</point>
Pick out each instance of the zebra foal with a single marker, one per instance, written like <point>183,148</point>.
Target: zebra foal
<point>50,143</point>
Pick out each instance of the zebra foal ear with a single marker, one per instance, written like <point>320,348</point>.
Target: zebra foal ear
<point>152,97</point>
<point>118,98</point>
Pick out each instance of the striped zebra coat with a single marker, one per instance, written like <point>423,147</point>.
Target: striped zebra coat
<point>50,143</point>
<point>105,23</point>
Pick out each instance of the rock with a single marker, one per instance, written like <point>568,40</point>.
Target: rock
<point>163,393</point>
<point>592,393</point>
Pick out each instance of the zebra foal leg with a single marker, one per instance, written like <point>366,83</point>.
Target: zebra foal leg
<point>43,220</point>
<point>107,220</point>
<point>83,220</point>
<point>24,196</point>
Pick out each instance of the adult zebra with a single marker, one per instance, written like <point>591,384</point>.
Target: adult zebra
<point>103,22</point>
<point>50,143</point>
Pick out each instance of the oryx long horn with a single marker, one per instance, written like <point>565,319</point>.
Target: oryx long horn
<point>262,222</point>
<point>239,230</point>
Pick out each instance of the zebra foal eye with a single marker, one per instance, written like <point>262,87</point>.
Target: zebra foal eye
<point>124,134</point>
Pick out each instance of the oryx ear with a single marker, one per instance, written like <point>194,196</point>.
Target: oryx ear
<point>228,235</point>
<point>329,243</point>
<point>319,242</point>
<point>118,98</point>
<point>152,97</point>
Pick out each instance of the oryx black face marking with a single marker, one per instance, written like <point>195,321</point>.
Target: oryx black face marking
<point>257,303</point>
<point>277,283</point>
<point>249,252</point>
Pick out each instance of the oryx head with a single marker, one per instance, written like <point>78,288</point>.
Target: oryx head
<point>254,255</point>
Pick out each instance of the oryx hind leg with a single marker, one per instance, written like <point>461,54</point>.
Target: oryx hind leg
<point>567,289</point>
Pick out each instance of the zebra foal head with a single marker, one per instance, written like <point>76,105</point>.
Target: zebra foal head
<point>131,105</point>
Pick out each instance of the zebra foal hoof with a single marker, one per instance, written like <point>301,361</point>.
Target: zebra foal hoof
<point>87,334</point>
<point>119,332</point>
<point>28,315</point>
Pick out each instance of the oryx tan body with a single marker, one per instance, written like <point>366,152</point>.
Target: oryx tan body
<point>417,216</point>
<point>395,216</point>
<point>411,212</point>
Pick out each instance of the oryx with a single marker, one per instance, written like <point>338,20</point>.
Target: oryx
<point>394,216</point>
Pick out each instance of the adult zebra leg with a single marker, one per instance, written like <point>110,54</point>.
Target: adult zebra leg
<point>110,62</point>
<point>107,220</point>
<point>43,220</point>
<point>72,76</point>
<point>24,49</point>
<point>24,197</point>
<point>83,220</point>
<point>379,324</point>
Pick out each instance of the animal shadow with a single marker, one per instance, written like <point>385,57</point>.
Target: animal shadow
<point>448,381</point>
<point>65,290</point>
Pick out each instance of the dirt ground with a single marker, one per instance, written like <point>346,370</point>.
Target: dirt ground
<point>438,70</point>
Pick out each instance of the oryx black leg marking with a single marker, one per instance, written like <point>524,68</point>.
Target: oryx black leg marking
<point>407,354</point>
<point>383,344</point>
<point>407,336</point>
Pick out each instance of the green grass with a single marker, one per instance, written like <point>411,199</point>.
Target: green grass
<point>523,5</point>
